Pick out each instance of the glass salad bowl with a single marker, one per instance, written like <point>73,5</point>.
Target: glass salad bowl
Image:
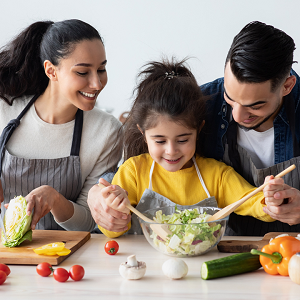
<point>189,233</point>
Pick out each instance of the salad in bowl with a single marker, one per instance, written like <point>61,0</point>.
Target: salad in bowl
<point>190,232</point>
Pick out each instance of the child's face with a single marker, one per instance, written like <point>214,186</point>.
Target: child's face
<point>171,145</point>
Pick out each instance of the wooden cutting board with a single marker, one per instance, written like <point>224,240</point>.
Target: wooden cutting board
<point>234,246</point>
<point>24,255</point>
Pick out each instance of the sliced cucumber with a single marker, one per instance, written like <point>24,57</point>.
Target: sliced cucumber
<point>230,265</point>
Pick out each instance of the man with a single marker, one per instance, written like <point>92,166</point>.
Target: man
<point>253,121</point>
<point>253,124</point>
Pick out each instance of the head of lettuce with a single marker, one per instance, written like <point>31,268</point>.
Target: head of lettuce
<point>16,223</point>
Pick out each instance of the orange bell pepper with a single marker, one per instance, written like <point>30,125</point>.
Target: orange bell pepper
<point>275,256</point>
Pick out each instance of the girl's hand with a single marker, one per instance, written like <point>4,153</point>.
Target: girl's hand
<point>116,198</point>
<point>42,200</point>
<point>105,216</point>
<point>274,186</point>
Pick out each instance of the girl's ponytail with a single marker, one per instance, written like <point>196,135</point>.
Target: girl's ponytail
<point>21,70</point>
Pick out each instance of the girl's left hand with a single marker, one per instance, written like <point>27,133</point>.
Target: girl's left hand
<point>42,200</point>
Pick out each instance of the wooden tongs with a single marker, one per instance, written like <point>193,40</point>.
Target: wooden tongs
<point>230,208</point>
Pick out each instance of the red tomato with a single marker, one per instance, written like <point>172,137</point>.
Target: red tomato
<point>44,269</point>
<point>61,274</point>
<point>3,277</point>
<point>76,272</point>
<point>5,269</point>
<point>111,247</point>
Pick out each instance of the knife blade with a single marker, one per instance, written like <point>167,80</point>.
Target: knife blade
<point>2,227</point>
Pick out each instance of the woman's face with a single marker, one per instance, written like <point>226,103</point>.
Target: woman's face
<point>82,75</point>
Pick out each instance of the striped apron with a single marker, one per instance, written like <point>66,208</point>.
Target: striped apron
<point>151,200</point>
<point>20,176</point>
<point>238,157</point>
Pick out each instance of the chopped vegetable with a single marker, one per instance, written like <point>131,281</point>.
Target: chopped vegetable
<point>230,265</point>
<point>17,223</point>
<point>275,256</point>
<point>191,233</point>
<point>57,248</point>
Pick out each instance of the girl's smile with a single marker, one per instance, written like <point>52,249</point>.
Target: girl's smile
<point>171,144</point>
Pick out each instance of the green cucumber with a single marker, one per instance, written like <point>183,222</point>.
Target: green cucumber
<point>230,265</point>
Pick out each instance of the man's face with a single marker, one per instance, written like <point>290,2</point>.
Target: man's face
<point>254,105</point>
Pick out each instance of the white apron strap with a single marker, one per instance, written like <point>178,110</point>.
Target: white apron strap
<point>150,175</point>
<point>200,177</point>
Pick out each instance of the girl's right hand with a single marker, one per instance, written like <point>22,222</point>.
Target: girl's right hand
<point>116,198</point>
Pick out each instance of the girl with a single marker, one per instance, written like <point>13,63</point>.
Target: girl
<point>50,77</point>
<point>163,151</point>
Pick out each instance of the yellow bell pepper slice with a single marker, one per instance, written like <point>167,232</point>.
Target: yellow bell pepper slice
<point>64,252</point>
<point>57,248</point>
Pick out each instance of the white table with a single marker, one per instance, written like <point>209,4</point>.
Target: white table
<point>102,279</point>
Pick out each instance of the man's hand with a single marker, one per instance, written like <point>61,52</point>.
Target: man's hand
<point>283,201</point>
<point>105,216</point>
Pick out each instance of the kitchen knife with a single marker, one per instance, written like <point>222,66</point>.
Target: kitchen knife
<point>2,227</point>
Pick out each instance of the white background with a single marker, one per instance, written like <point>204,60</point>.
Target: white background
<point>138,31</point>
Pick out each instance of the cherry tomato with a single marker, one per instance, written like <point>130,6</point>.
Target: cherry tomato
<point>3,277</point>
<point>61,274</point>
<point>76,272</point>
<point>44,269</point>
<point>5,269</point>
<point>111,247</point>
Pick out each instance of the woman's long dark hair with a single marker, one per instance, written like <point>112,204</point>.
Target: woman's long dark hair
<point>21,61</point>
<point>166,88</point>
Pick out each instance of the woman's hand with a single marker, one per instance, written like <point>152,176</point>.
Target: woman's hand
<point>104,215</point>
<point>41,201</point>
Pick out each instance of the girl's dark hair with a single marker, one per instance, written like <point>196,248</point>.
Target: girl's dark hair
<point>21,61</point>
<point>166,88</point>
<point>260,52</point>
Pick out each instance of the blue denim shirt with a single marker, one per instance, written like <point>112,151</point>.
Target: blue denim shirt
<point>216,123</point>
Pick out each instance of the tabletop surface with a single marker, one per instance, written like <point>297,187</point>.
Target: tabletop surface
<point>102,278</point>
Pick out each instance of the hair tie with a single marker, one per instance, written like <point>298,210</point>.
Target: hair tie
<point>170,75</point>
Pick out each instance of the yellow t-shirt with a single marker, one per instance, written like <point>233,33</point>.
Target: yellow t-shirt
<point>183,187</point>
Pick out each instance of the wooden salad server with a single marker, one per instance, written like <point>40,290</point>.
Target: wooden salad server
<point>160,229</point>
<point>230,208</point>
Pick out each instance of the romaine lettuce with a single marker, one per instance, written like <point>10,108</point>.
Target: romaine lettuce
<point>17,223</point>
<point>192,235</point>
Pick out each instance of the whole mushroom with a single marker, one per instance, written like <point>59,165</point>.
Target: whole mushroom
<point>132,269</point>
<point>175,268</point>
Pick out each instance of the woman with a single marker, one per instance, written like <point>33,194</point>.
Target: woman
<point>50,77</point>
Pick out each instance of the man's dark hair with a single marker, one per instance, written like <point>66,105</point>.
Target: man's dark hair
<point>260,52</point>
